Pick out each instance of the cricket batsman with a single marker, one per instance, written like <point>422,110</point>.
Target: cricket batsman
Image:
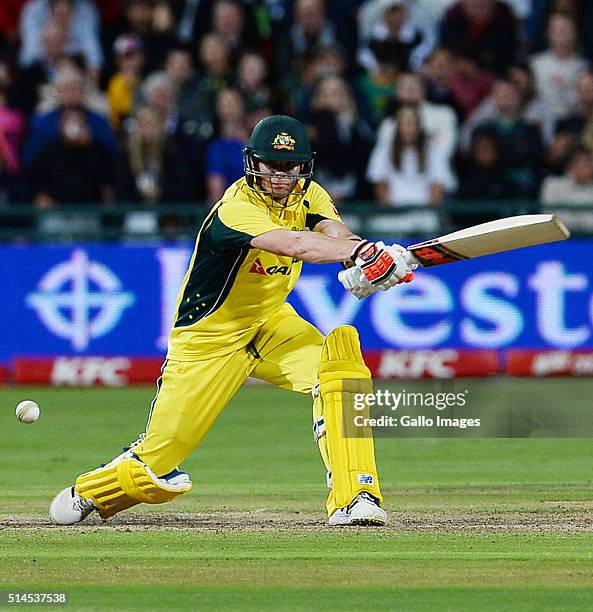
<point>232,321</point>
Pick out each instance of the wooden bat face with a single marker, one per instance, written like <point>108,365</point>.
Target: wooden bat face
<point>488,238</point>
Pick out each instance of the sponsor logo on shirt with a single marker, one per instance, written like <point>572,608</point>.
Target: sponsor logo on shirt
<point>258,268</point>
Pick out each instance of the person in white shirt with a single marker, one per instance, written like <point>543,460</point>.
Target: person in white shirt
<point>557,69</point>
<point>411,170</point>
<point>438,120</point>
<point>575,186</point>
<point>78,18</point>
<point>394,21</point>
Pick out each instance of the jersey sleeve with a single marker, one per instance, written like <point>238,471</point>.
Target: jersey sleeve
<point>320,206</point>
<point>235,224</point>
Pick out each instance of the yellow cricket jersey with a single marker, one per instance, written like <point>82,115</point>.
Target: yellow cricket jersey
<point>231,288</point>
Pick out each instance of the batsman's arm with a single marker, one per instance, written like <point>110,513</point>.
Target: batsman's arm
<point>336,229</point>
<point>312,247</point>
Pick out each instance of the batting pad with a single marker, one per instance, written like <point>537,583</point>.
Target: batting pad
<point>122,484</point>
<point>350,460</point>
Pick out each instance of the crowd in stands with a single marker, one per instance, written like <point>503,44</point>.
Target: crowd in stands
<point>408,102</point>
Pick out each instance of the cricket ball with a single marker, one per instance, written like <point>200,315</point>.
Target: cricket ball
<point>27,411</point>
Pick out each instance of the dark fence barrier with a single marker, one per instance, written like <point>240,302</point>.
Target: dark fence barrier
<point>181,221</point>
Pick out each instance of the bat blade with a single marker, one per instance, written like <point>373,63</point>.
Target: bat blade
<point>489,238</point>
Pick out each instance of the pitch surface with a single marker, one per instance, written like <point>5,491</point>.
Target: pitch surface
<point>475,523</point>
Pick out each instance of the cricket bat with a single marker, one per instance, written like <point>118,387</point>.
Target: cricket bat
<point>488,238</point>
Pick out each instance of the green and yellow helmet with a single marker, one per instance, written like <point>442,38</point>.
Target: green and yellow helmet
<point>278,141</point>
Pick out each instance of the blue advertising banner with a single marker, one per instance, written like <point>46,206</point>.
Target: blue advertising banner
<point>99,299</point>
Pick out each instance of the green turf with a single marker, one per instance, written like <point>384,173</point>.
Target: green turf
<point>259,461</point>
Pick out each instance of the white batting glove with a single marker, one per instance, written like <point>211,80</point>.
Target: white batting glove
<point>376,267</point>
<point>354,281</point>
<point>401,255</point>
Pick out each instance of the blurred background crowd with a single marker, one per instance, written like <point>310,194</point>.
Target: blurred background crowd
<point>408,102</point>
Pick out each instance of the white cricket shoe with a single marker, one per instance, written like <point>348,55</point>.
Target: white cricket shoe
<point>68,507</point>
<point>364,510</point>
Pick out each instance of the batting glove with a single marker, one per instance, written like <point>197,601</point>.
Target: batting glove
<point>376,267</point>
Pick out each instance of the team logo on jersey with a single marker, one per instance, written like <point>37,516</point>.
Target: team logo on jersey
<point>284,141</point>
<point>258,268</point>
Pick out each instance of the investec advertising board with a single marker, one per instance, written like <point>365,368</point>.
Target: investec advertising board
<point>508,310</point>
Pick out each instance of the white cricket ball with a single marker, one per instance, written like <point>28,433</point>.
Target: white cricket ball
<point>27,411</point>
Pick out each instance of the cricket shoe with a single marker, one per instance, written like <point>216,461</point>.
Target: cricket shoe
<point>68,507</point>
<point>364,510</point>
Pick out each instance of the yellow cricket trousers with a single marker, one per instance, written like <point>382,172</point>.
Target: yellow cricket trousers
<point>285,352</point>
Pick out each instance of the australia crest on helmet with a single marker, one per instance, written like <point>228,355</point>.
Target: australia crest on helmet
<point>284,141</point>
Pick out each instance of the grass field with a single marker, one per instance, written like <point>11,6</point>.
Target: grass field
<point>475,523</point>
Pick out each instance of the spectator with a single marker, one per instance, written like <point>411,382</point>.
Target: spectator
<point>573,125</point>
<point>376,88</point>
<point>481,177</point>
<point>470,83</point>
<point>124,84</point>
<point>324,61</point>
<point>9,17</point>
<point>140,18</point>
<point>556,70</point>
<point>94,98</point>
<point>164,17</point>
<point>73,169</point>
<point>574,187</point>
<point>12,129</point>
<point>152,167</point>
<point>577,127</point>
<point>395,37</point>
<point>539,17</point>
<point>424,16</point>
<point>410,170</point>
<point>520,142</point>
<point>330,60</point>
<point>488,26</point>
<point>79,19</point>
<point>439,71</point>
<point>215,73</point>
<point>228,21</point>
<point>521,8</point>
<point>438,120</point>
<point>224,156</point>
<point>256,115</point>
<point>311,29</point>
<point>160,94</point>
<point>42,70</point>
<point>533,108</point>
<point>70,95</point>
<point>345,17</point>
<point>428,14</point>
<point>179,67</point>
<point>196,18</point>
<point>335,126</point>
<point>252,82</point>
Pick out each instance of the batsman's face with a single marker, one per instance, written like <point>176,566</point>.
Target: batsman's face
<point>281,177</point>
